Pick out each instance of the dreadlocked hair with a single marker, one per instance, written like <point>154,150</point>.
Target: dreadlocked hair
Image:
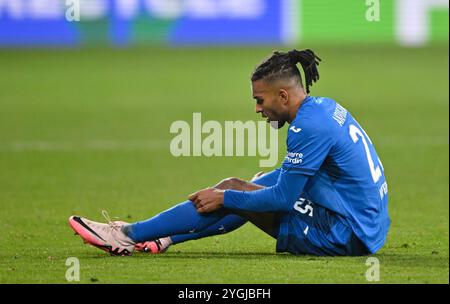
<point>281,65</point>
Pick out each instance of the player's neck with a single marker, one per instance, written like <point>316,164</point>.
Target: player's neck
<point>295,106</point>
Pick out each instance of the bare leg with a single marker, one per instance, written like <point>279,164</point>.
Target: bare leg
<point>268,222</point>
<point>235,183</point>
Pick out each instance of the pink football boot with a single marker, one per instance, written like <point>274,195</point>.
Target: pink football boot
<point>157,246</point>
<point>108,237</point>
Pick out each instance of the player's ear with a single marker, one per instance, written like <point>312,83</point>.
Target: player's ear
<point>283,95</point>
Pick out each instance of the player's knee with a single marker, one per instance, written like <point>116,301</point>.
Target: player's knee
<point>230,183</point>
<point>235,183</point>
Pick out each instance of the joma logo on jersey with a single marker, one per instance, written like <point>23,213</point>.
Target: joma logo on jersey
<point>294,129</point>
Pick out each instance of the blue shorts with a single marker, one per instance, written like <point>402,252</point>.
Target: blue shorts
<point>312,229</point>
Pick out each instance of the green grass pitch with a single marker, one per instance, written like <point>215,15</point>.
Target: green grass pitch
<point>87,130</point>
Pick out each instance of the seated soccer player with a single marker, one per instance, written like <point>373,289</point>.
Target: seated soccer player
<point>329,197</point>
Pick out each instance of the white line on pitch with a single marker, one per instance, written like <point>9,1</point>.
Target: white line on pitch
<point>108,145</point>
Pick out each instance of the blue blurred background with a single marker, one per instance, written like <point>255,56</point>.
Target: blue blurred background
<point>219,22</point>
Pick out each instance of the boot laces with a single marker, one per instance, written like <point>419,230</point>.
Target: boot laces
<point>111,224</point>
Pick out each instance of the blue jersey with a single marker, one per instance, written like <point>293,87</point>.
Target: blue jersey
<point>346,176</point>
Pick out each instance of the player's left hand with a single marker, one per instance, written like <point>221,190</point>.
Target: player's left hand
<point>207,200</point>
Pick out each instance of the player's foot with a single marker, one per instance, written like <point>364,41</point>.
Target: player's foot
<point>108,237</point>
<point>157,246</point>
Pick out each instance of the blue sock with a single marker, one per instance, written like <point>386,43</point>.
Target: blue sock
<point>229,222</point>
<point>225,225</point>
<point>181,219</point>
<point>183,222</point>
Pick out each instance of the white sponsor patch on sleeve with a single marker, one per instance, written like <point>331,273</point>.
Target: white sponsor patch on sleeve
<point>294,157</point>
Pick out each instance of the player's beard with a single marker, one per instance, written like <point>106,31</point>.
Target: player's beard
<point>276,124</point>
<point>277,120</point>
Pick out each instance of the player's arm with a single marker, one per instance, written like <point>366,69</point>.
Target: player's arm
<point>279,197</point>
<point>266,179</point>
<point>270,192</point>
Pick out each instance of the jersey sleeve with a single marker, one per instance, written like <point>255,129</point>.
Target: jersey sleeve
<point>268,179</point>
<point>279,197</point>
<point>308,144</point>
